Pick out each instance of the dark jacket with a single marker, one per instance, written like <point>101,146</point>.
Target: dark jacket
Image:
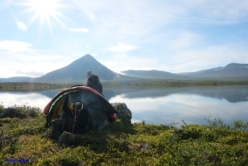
<point>94,82</point>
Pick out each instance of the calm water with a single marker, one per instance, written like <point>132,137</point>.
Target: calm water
<point>163,105</point>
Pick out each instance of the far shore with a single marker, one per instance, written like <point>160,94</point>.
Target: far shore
<point>33,86</point>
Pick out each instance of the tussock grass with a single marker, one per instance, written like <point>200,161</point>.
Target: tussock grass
<point>122,143</point>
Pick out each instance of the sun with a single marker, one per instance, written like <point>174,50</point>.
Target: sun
<point>44,10</point>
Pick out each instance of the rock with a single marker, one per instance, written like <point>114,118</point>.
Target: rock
<point>70,138</point>
<point>123,112</point>
<point>57,128</point>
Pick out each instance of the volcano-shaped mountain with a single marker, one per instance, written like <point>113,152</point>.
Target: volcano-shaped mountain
<point>75,73</point>
<point>77,70</point>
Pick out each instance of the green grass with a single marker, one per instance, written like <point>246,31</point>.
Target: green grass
<point>169,83</point>
<point>26,86</point>
<point>123,144</point>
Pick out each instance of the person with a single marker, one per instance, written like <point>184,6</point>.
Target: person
<point>94,82</point>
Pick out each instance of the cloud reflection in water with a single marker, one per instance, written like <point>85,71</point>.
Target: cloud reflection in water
<point>188,107</point>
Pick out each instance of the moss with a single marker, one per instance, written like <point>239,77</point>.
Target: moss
<point>126,144</point>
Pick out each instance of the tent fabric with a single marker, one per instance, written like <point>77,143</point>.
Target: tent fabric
<point>95,111</point>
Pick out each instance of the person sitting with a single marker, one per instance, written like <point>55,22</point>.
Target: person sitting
<point>94,82</point>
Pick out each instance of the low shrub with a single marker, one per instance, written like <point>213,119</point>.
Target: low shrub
<point>123,143</point>
<point>20,112</point>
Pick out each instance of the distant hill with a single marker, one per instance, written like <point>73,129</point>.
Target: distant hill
<point>201,72</point>
<point>231,71</point>
<point>17,79</point>
<point>153,74</point>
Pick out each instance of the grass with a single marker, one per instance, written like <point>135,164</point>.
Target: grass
<point>170,83</point>
<point>28,86</point>
<point>24,136</point>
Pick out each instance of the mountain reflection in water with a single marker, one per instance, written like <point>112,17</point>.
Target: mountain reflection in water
<point>161,105</point>
<point>230,93</point>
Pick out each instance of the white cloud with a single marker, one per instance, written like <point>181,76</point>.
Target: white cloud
<point>79,30</point>
<point>14,46</point>
<point>205,58</point>
<point>160,33</point>
<point>181,60</point>
<point>32,64</point>
<point>185,39</point>
<point>120,62</point>
<point>214,12</point>
<point>122,48</point>
<point>151,13</point>
<point>21,25</point>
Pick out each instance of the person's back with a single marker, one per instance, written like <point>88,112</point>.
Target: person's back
<point>94,82</point>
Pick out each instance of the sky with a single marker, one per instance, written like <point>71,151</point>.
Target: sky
<point>39,36</point>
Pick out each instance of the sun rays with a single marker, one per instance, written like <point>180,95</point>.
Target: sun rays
<point>45,11</point>
<point>44,8</point>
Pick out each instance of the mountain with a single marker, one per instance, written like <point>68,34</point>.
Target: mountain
<point>152,74</point>
<point>77,71</point>
<point>231,71</point>
<point>17,79</point>
<point>74,73</point>
<point>201,72</point>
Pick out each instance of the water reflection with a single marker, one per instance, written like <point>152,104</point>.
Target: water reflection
<point>178,107</point>
<point>230,93</point>
<point>34,99</point>
<point>161,105</point>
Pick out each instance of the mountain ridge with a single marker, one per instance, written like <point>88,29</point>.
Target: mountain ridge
<point>153,74</point>
<point>75,72</point>
<point>232,70</point>
<point>78,69</point>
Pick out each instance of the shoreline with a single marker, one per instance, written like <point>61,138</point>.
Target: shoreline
<point>26,86</point>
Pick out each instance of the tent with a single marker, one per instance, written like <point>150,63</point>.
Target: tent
<point>85,108</point>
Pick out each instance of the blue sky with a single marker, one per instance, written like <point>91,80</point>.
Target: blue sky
<point>39,36</point>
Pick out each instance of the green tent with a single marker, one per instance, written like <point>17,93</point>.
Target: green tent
<point>82,107</point>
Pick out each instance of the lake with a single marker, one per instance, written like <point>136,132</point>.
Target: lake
<point>161,105</point>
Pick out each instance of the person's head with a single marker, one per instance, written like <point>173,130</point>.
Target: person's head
<point>89,73</point>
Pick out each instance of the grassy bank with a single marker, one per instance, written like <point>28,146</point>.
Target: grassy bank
<point>26,86</point>
<point>169,83</point>
<point>24,137</point>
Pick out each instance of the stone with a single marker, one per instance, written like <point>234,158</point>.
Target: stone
<point>70,138</point>
<point>56,128</point>
<point>123,112</point>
